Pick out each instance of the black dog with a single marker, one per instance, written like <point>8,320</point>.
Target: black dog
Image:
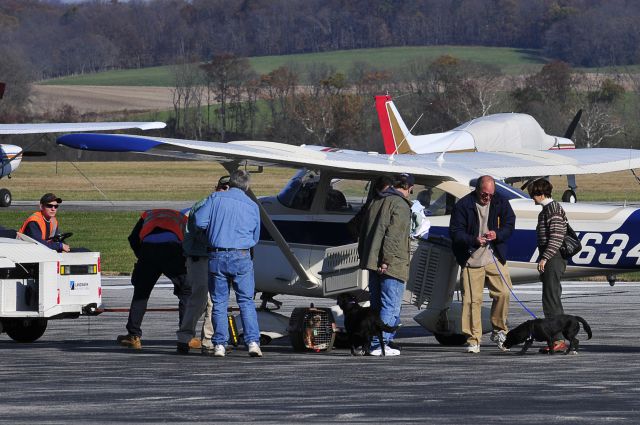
<point>362,324</point>
<point>545,329</point>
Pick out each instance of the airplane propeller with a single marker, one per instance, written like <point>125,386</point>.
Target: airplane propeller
<point>569,195</point>
<point>572,126</point>
<point>33,153</point>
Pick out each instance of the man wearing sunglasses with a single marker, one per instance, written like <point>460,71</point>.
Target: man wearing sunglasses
<point>43,225</point>
<point>481,223</point>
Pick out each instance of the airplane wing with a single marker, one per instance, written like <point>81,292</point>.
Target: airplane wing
<point>452,166</point>
<point>73,127</point>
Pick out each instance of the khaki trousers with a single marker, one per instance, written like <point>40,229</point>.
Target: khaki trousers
<point>199,303</point>
<point>473,280</point>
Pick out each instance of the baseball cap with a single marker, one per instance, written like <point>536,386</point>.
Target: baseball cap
<point>49,197</point>
<point>406,177</point>
<point>224,181</point>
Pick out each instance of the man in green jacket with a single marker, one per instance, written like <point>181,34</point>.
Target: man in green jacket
<point>384,251</point>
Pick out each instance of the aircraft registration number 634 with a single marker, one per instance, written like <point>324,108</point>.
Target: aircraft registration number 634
<point>608,250</point>
<point>617,242</point>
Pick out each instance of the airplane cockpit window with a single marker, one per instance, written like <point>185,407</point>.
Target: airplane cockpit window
<point>300,190</point>
<point>435,201</point>
<point>346,195</point>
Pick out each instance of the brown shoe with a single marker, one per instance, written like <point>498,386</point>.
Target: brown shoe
<point>558,347</point>
<point>195,343</point>
<point>130,341</point>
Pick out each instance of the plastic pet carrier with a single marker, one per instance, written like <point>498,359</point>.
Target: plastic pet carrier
<point>312,328</point>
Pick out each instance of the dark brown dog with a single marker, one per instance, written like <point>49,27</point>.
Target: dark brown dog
<point>362,324</point>
<point>545,329</point>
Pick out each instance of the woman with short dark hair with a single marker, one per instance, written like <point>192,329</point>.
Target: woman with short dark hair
<point>551,231</point>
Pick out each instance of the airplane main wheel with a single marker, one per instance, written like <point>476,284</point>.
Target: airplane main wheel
<point>25,330</point>
<point>5,198</point>
<point>569,196</point>
<point>451,339</point>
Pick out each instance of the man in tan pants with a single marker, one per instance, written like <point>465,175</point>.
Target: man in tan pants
<point>194,246</point>
<point>481,223</point>
<point>473,280</point>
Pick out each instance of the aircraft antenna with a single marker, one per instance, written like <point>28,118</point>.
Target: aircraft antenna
<point>90,181</point>
<point>405,137</point>
<point>440,158</point>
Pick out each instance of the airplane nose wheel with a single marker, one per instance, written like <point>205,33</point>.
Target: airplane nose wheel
<point>569,196</point>
<point>5,198</point>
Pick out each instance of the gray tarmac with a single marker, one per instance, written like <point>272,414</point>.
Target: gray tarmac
<point>77,374</point>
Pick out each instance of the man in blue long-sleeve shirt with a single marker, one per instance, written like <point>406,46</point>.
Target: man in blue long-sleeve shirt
<point>232,223</point>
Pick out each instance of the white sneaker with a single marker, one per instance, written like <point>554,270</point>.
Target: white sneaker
<point>219,351</point>
<point>499,338</point>
<point>254,349</point>
<point>388,351</point>
<point>473,348</point>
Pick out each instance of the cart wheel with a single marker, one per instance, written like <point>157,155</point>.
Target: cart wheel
<point>25,330</point>
<point>451,339</point>
<point>5,198</point>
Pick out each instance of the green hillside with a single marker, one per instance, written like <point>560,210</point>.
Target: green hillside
<point>511,61</point>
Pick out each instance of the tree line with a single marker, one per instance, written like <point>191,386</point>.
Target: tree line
<point>56,38</point>
<point>225,99</point>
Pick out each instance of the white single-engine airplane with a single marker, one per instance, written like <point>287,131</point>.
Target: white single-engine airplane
<point>496,132</point>
<point>11,155</point>
<point>305,243</point>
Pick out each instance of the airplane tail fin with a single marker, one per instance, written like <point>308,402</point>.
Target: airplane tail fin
<point>395,134</point>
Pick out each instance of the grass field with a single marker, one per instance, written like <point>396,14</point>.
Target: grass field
<point>190,180</point>
<point>105,232</point>
<point>178,181</point>
<point>511,61</point>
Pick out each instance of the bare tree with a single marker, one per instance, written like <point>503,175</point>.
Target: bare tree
<point>187,93</point>
<point>599,121</point>
<point>315,114</point>
<point>225,75</point>
<point>17,76</point>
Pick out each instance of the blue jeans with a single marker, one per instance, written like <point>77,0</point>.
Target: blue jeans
<point>232,268</point>
<point>386,297</point>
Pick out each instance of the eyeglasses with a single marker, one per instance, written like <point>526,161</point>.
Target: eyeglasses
<point>54,206</point>
<point>485,195</point>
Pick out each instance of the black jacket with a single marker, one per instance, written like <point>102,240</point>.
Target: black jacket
<point>465,225</point>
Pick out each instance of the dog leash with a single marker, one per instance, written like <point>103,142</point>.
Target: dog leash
<point>505,282</point>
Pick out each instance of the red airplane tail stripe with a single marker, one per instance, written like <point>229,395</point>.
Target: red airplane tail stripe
<point>385,123</point>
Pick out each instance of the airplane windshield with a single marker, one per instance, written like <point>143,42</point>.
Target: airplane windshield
<point>299,191</point>
<point>505,190</point>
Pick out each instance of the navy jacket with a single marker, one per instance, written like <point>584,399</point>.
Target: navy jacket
<point>465,224</point>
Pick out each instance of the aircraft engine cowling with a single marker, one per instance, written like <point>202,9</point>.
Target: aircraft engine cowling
<point>11,159</point>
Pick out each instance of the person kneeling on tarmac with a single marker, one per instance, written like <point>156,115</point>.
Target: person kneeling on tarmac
<point>156,241</point>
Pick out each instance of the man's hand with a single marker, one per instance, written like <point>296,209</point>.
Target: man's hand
<point>541,265</point>
<point>65,247</point>
<point>481,240</point>
<point>490,235</point>
<point>383,268</point>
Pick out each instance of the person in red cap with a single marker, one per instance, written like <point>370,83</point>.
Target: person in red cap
<point>43,225</point>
